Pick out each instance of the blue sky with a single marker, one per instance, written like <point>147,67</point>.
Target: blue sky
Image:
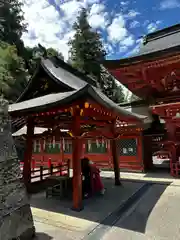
<point>121,23</point>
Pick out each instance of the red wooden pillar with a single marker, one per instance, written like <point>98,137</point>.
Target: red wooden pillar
<point>62,149</point>
<point>42,152</point>
<point>76,164</point>
<point>115,157</point>
<point>28,152</point>
<point>171,130</point>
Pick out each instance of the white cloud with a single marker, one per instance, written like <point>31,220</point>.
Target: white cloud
<point>123,49</point>
<point>71,9</point>
<point>146,22</point>
<point>117,30</point>
<point>97,8</point>
<point>124,3</point>
<point>151,27</point>
<point>90,2</point>
<point>134,24</point>
<point>169,4</point>
<point>134,51</point>
<point>98,18</point>
<point>132,14</point>
<point>53,28</point>
<point>44,26</point>
<point>139,41</point>
<point>128,41</point>
<point>118,34</point>
<point>108,48</point>
<point>136,48</point>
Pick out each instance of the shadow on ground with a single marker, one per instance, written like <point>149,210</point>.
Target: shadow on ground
<point>137,217</point>
<point>42,236</point>
<point>97,209</point>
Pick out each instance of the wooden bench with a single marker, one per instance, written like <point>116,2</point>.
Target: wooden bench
<point>60,189</point>
<point>53,191</point>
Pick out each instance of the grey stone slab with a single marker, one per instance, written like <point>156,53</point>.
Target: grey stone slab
<point>155,216</point>
<point>15,213</point>
<point>95,210</point>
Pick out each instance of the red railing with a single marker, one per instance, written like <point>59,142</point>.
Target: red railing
<point>40,173</point>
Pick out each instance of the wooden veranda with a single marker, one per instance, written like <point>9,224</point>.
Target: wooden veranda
<point>85,112</point>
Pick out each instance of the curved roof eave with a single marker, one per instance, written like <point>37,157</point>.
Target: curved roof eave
<point>60,74</point>
<point>52,100</point>
<point>28,84</point>
<point>152,56</point>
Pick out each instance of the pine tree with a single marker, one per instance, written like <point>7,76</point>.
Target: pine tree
<point>86,49</point>
<point>87,54</point>
<point>11,26</point>
<point>119,94</point>
<point>111,88</point>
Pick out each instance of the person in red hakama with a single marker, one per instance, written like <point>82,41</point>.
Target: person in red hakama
<point>86,178</point>
<point>97,185</point>
<point>92,183</point>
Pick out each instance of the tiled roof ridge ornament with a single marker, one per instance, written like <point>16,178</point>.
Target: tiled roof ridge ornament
<point>43,50</point>
<point>16,220</point>
<point>145,40</point>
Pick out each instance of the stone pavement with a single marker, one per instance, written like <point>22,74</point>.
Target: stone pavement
<point>154,214</point>
<point>56,220</point>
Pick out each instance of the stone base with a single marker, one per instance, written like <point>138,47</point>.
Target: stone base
<point>18,224</point>
<point>29,234</point>
<point>117,183</point>
<point>77,209</point>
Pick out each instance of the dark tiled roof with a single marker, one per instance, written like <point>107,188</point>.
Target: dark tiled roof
<point>156,45</point>
<point>162,32</point>
<point>140,102</point>
<point>60,63</point>
<point>62,73</point>
<point>161,40</point>
<point>140,58</point>
<point>37,104</point>
<point>60,99</point>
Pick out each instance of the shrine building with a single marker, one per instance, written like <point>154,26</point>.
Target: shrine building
<point>154,76</point>
<point>55,76</point>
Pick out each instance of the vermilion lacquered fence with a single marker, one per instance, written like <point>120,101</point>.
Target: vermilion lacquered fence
<point>42,172</point>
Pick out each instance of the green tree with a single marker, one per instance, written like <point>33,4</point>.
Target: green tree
<point>13,75</point>
<point>51,52</point>
<point>86,49</point>
<point>87,54</point>
<point>111,88</point>
<point>11,23</point>
<point>119,94</point>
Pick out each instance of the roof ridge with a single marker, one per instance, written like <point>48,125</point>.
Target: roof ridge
<point>66,66</point>
<point>162,33</point>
